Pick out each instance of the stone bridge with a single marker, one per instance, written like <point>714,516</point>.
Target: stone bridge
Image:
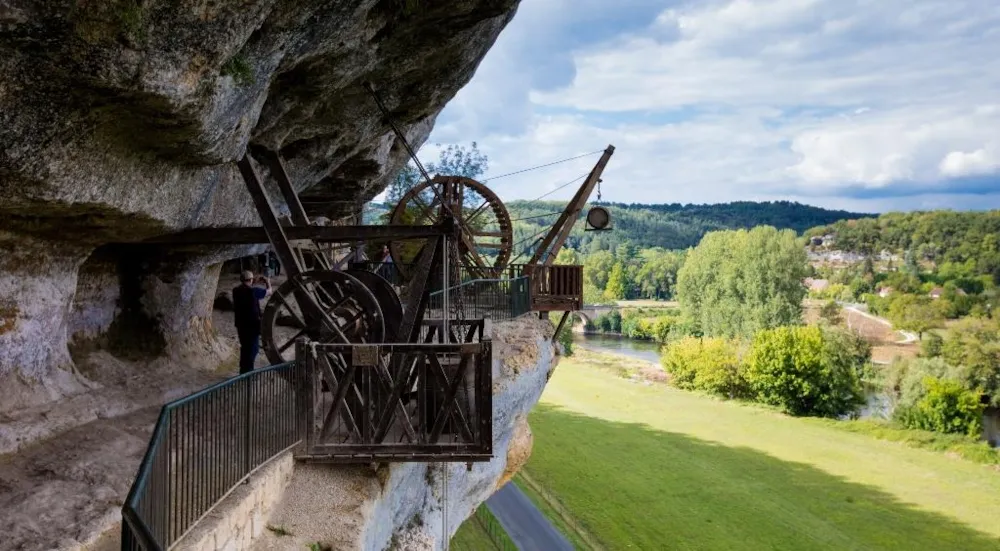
<point>591,312</point>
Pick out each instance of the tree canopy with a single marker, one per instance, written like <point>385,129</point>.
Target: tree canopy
<point>454,160</point>
<point>735,283</point>
<point>961,244</point>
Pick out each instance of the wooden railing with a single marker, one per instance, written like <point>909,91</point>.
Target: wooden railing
<point>553,288</point>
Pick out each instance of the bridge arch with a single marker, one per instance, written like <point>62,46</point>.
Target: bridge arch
<point>589,313</point>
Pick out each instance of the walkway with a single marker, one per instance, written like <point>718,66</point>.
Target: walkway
<point>524,523</point>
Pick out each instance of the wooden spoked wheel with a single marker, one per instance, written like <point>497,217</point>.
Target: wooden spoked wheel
<point>338,308</point>
<point>388,301</point>
<point>484,223</point>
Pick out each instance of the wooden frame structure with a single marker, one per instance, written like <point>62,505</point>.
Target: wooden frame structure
<point>400,402</point>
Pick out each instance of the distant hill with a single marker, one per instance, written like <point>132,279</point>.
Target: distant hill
<point>672,226</point>
<point>968,240</point>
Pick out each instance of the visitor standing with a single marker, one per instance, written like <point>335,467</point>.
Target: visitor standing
<point>275,265</point>
<point>385,270</point>
<point>246,315</point>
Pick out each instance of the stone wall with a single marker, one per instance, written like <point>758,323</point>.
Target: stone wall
<point>242,516</point>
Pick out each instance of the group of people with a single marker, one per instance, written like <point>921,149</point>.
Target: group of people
<point>268,264</point>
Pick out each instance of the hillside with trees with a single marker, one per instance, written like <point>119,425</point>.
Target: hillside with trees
<point>957,244</point>
<point>669,226</point>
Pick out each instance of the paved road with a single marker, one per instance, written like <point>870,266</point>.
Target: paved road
<point>524,523</point>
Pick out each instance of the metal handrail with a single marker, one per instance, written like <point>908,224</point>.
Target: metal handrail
<point>472,281</point>
<point>197,453</point>
<point>502,299</point>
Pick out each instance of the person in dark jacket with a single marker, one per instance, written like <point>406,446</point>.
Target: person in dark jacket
<point>246,314</point>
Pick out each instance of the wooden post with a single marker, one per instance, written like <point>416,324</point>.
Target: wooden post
<point>305,395</point>
<point>419,291</point>
<point>562,321</point>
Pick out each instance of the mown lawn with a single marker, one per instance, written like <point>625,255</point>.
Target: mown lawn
<point>471,536</point>
<point>650,467</point>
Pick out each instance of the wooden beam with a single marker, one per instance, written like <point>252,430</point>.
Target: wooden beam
<point>298,214</point>
<point>562,321</point>
<point>272,227</point>
<point>323,234</point>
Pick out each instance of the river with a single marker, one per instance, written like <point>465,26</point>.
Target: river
<point>642,350</point>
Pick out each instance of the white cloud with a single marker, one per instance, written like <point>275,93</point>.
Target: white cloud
<point>740,99</point>
<point>980,161</point>
<point>906,145</point>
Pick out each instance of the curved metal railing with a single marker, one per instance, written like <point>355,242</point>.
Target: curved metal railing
<point>206,444</point>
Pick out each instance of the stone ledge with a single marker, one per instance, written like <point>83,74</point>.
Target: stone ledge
<point>240,518</point>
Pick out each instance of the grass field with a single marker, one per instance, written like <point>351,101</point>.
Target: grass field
<point>638,466</point>
<point>475,534</point>
<point>885,342</point>
<point>471,536</point>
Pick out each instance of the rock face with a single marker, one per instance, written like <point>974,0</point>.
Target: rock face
<point>122,119</point>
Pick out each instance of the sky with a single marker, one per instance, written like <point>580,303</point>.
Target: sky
<point>867,105</point>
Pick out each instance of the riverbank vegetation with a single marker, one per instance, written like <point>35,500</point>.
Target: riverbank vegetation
<point>739,335</point>
<point>742,476</point>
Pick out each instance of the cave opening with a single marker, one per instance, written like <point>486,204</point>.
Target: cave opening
<point>108,311</point>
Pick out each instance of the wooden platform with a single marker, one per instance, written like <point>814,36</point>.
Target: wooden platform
<point>557,288</point>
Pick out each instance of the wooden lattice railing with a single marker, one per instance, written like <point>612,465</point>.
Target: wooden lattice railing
<point>394,402</point>
<point>553,288</point>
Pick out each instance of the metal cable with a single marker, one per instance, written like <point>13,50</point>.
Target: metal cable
<point>574,180</point>
<point>540,232</point>
<point>543,166</point>
<point>444,505</point>
<point>536,216</point>
<point>406,144</point>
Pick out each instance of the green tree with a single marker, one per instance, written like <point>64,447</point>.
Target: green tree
<point>453,160</point>
<point>626,253</point>
<point>597,268</point>
<point>657,274</point>
<point>567,256</point>
<point>806,370</point>
<point>456,160</point>
<point>946,406</point>
<point>830,312</point>
<point>735,283</point>
<point>565,336</point>
<point>618,283</point>
<point>914,313</point>
<point>407,178</point>
<point>931,346</point>
<point>974,345</point>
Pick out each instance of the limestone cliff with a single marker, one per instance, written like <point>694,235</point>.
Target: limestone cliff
<point>121,119</point>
